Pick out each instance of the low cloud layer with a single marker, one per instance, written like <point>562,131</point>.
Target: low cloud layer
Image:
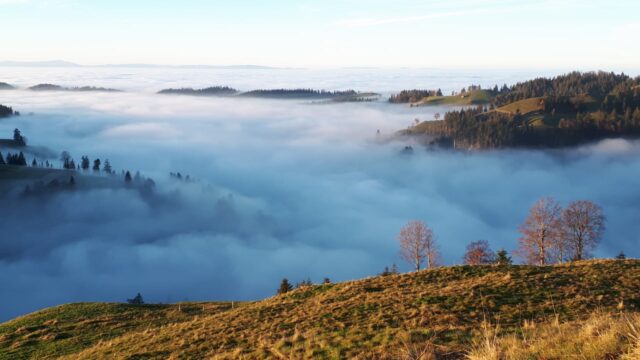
<point>283,189</point>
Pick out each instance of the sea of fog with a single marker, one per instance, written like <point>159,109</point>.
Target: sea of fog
<point>282,188</point>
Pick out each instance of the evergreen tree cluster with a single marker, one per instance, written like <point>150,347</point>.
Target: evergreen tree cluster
<point>18,138</point>
<point>210,91</point>
<point>574,108</point>
<point>13,159</point>
<point>594,84</point>
<point>6,111</point>
<point>411,96</point>
<point>298,93</point>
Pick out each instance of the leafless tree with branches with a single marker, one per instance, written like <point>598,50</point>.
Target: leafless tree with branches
<point>583,225</point>
<point>417,244</point>
<point>541,232</point>
<point>479,253</point>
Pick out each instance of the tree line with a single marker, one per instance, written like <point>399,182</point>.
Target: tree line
<point>209,91</point>
<point>6,111</point>
<point>481,128</point>
<point>563,111</point>
<point>594,84</point>
<point>298,93</point>
<point>550,234</point>
<point>411,96</point>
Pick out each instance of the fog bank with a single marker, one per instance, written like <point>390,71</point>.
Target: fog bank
<point>282,189</point>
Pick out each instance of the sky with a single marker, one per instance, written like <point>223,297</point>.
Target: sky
<point>567,34</point>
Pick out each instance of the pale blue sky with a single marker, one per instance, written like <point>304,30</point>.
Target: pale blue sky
<point>585,34</point>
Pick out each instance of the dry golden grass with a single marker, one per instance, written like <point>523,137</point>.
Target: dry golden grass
<point>432,314</point>
<point>601,336</point>
<point>525,106</point>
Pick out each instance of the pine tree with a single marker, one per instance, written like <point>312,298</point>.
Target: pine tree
<point>18,138</point>
<point>127,177</point>
<point>285,286</point>
<point>621,256</point>
<point>22,161</point>
<point>503,258</point>
<point>2,162</point>
<point>137,300</point>
<point>107,166</point>
<point>385,272</point>
<point>85,163</point>
<point>96,165</point>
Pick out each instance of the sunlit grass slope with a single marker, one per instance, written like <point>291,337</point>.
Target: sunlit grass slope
<point>380,317</point>
<point>476,97</point>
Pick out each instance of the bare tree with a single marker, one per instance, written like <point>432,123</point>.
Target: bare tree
<point>436,116</point>
<point>417,244</point>
<point>584,223</point>
<point>479,253</point>
<point>540,231</point>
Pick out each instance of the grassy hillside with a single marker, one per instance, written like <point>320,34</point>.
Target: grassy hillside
<point>476,97</point>
<point>523,107</point>
<point>371,318</point>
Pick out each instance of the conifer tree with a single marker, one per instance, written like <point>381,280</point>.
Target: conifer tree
<point>107,166</point>
<point>503,258</point>
<point>137,300</point>
<point>22,161</point>
<point>85,163</point>
<point>285,286</point>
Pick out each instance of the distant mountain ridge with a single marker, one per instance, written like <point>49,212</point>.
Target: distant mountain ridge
<point>61,63</point>
<point>52,63</point>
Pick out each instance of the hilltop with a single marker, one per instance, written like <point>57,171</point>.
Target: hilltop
<point>53,87</point>
<point>210,91</point>
<point>280,94</point>
<point>473,95</point>
<point>566,110</point>
<point>377,317</point>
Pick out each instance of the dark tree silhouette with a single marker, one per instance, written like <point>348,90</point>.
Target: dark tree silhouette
<point>137,300</point>
<point>2,162</point>
<point>503,258</point>
<point>107,167</point>
<point>96,165</point>
<point>65,157</point>
<point>22,161</point>
<point>18,138</point>
<point>16,159</point>
<point>6,111</point>
<point>285,286</point>
<point>85,163</point>
<point>127,177</point>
